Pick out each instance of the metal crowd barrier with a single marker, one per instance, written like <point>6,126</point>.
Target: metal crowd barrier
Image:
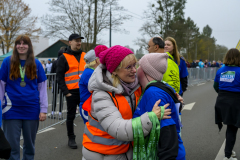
<point>201,75</point>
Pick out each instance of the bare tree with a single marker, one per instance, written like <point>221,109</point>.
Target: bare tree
<point>76,16</point>
<point>15,19</point>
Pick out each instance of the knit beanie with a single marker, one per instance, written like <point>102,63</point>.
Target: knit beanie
<point>100,49</point>
<point>154,65</point>
<point>90,56</point>
<point>113,56</point>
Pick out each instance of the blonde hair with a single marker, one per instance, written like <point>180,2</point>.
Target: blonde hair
<point>91,64</point>
<point>176,54</point>
<point>115,78</point>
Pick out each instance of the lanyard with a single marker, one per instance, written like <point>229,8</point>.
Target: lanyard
<point>22,73</point>
<point>91,68</point>
<point>146,148</point>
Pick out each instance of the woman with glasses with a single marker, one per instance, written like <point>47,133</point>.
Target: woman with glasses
<point>23,80</point>
<point>115,93</point>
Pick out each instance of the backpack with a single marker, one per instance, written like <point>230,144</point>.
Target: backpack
<point>168,90</point>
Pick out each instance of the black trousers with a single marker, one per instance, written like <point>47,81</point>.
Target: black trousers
<point>72,103</point>
<point>231,134</point>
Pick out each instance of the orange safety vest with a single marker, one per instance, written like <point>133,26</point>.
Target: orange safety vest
<point>96,139</point>
<point>72,76</point>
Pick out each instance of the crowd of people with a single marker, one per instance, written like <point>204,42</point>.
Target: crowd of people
<point>124,106</point>
<point>205,64</point>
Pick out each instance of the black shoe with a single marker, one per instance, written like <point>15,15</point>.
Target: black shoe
<point>71,143</point>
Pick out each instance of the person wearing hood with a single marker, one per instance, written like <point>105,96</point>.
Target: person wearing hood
<point>92,61</point>
<point>70,66</point>
<point>115,94</point>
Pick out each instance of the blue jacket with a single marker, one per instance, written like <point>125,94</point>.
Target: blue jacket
<point>153,94</point>
<point>183,72</point>
<point>84,93</point>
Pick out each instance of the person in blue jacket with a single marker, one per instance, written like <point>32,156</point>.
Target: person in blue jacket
<point>92,61</point>
<point>227,85</point>
<point>151,70</point>
<point>23,81</point>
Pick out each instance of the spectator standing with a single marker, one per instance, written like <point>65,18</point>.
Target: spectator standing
<point>200,64</point>
<point>43,65</point>
<point>23,79</point>
<point>70,67</point>
<point>227,85</point>
<point>171,47</point>
<point>49,66</point>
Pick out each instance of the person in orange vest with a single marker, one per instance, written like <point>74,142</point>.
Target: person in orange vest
<point>115,93</point>
<point>70,66</point>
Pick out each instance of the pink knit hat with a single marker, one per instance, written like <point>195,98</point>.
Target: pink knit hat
<point>154,65</point>
<point>113,56</point>
<point>100,49</point>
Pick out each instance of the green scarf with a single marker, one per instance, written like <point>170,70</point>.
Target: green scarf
<point>145,148</point>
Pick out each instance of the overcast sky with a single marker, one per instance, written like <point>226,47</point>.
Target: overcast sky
<point>221,15</point>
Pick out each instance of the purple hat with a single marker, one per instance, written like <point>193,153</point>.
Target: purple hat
<point>113,56</point>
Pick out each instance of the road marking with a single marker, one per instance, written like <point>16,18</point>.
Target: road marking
<point>49,129</point>
<point>221,153</point>
<point>201,84</point>
<point>189,106</point>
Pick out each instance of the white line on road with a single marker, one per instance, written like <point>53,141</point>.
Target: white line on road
<point>201,84</point>
<point>221,154</point>
<point>189,106</point>
<point>49,129</point>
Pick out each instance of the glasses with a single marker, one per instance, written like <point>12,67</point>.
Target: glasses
<point>130,67</point>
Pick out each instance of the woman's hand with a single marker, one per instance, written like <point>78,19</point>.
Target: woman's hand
<point>42,116</point>
<point>157,110</point>
<point>179,98</point>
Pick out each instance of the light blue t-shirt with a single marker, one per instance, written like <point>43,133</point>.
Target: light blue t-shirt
<point>201,64</point>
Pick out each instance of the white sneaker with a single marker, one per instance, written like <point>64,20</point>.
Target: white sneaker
<point>233,154</point>
<point>231,158</point>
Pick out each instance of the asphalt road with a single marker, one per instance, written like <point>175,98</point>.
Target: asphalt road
<point>201,137</point>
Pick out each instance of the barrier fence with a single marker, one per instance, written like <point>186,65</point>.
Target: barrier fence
<point>201,75</point>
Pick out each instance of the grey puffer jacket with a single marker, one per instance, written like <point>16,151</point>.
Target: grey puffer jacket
<point>108,115</point>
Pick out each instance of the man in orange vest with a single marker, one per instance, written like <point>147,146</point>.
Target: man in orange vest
<point>70,66</point>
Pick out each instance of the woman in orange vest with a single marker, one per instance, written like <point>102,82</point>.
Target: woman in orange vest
<point>115,93</point>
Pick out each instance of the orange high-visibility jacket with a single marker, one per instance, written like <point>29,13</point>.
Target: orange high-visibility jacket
<point>96,139</point>
<point>72,76</point>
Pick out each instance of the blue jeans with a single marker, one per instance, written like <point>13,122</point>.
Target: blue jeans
<point>12,131</point>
